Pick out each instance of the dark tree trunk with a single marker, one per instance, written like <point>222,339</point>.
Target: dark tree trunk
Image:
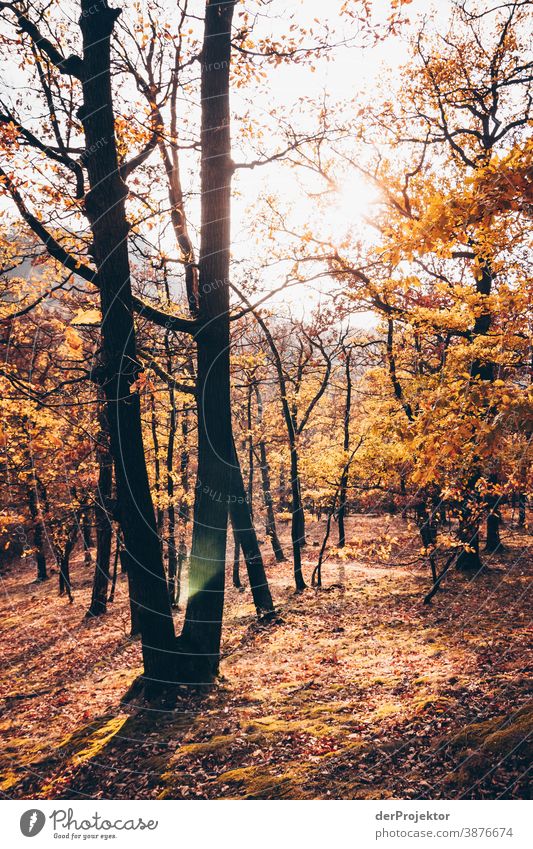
<point>346,446</point>
<point>104,530</point>
<point>493,499</point>
<point>63,561</point>
<point>105,209</point>
<point>469,559</point>
<point>184,510</point>
<point>201,635</point>
<point>297,519</point>
<point>115,569</point>
<point>157,465</point>
<point>270,525</point>
<point>493,542</point>
<point>236,559</point>
<point>38,534</point>
<point>297,513</point>
<point>171,512</point>
<point>241,519</point>
<point>86,530</point>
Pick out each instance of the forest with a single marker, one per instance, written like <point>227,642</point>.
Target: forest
<point>266,390</point>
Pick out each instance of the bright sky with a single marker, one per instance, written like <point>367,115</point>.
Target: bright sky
<point>354,71</point>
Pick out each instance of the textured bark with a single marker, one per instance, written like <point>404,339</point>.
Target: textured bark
<point>236,560</point>
<point>87,534</point>
<point>105,209</point>
<point>172,555</point>
<point>241,519</point>
<point>200,638</point>
<point>346,445</point>
<point>270,525</point>
<point>184,509</point>
<point>38,534</point>
<point>104,530</point>
<point>63,560</point>
<point>157,465</point>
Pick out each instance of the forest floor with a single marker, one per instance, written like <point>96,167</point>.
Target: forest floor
<point>358,691</point>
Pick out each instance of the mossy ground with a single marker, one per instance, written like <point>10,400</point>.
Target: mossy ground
<point>359,691</point>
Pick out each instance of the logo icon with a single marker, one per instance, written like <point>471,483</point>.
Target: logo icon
<point>32,822</point>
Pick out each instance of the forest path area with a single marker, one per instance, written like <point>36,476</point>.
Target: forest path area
<point>358,691</point>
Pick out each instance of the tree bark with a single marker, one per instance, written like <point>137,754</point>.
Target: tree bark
<point>38,534</point>
<point>201,635</point>
<point>105,209</point>
<point>346,447</point>
<point>270,525</point>
<point>104,531</point>
<point>86,530</point>
<point>241,518</point>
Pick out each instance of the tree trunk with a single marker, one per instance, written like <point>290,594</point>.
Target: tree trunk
<point>270,525</point>
<point>63,561</point>
<point>201,635</point>
<point>104,530</point>
<point>236,558</point>
<point>105,209</point>
<point>297,520</point>
<point>171,511</point>
<point>86,530</point>
<point>38,534</point>
<point>346,447</point>
<point>115,569</point>
<point>184,510</point>
<point>243,525</point>
<point>493,542</point>
<point>469,559</point>
<point>157,465</point>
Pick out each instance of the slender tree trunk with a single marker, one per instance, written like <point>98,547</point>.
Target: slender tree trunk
<point>469,559</point>
<point>171,511</point>
<point>493,542</point>
<point>271,529</point>
<point>241,519</point>
<point>63,561</point>
<point>38,534</point>
<point>105,209</point>
<point>86,530</point>
<point>157,465</point>
<point>104,530</point>
<point>201,635</point>
<point>297,513</point>
<point>236,558</point>
<point>184,510</point>
<point>115,569</point>
<point>346,447</point>
<point>297,522</point>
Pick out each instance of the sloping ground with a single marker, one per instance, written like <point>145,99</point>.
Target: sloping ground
<point>359,691</point>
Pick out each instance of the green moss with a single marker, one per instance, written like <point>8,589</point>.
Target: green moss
<point>255,782</point>
<point>215,744</point>
<point>431,701</point>
<point>499,736</point>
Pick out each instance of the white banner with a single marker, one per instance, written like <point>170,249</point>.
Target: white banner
<point>240,825</point>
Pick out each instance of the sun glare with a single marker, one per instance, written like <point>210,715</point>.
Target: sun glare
<point>353,203</point>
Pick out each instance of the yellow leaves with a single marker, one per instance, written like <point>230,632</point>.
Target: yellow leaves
<point>87,318</point>
<point>142,384</point>
<point>73,341</point>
